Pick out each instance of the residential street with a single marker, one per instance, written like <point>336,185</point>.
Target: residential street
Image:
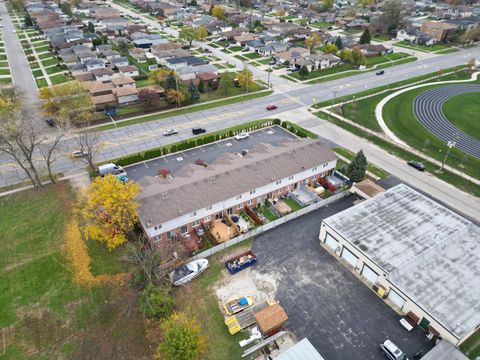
<point>21,74</point>
<point>293,103</point>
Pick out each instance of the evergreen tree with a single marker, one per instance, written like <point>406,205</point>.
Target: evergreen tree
<point>357,168</point>
<point>169,83</point>
<point>366,37</point>
<point>91,28</point>
<point>338,42</point>
<point>194,93</point>
<point>303,72</point>
<point>201,86</point>
<point>28,20</point>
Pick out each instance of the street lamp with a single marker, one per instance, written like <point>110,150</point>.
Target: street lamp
<point>450,145</point>
<point>334,91</point>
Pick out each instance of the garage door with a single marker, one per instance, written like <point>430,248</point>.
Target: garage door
<point>395,298</point>
<point>369,274</point>
<point>349,257</point>
<point>331,242</point>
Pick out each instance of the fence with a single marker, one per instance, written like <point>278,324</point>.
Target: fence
<point>270,225</point>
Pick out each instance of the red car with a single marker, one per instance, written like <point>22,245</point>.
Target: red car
<point>272,107</point>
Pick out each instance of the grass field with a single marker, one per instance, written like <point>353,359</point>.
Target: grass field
<point>471,346</point>
<point>292,204</point>
<point>60,78</point>
<point>463,112</point>
<point>45,315</point>
<point>49,62</point>
<point>220,344</point>
<point>370,167</point>
<point>423,48</point>
<point>399,117</point>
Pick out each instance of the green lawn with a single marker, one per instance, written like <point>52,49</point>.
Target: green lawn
<point>352,31</point>
<point>142,83</point>
<point>183,111</point>
<point>370,167</point>
<point>471,346</point>
<point>463,111</point>
<point>325,72</point>
<point>37,73</point>
<point>446,176</point>
<point>235,48</point>
<point>60,78</point>
<point>47,55</point>
<point>4,71</point>
<point>3,64</point>
<point>49,62</point>
<point>270,216</point>
<point>5,80</point>
<point>292,204</point>
<point>220,345</point>
<point>42,48</point>
<point>398,115</point>
<point>447,51</point>
<point>320,24</point>
<point>3,57</point>
<point>252,56</point>
<point>53,69</point>
<point>381,37</point>
<point>423,48</point>
<point>385,58</point>
<point>41,83</point>
<point>51,317</point>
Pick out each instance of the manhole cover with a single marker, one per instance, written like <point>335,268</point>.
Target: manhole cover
<point>179,158</point>
<point>270,132</point>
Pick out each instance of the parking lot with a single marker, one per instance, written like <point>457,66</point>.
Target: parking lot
<point>208,153</point>
<point>325,302</point>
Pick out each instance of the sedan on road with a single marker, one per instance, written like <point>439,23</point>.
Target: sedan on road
<point>197,131</point>
<point>243,135</point>
<point>416,165</point>
<point>170,132</point>
<point>272,107</point>
<point>381,72</point>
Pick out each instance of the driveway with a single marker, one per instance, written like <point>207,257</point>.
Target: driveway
<point>325,302</point>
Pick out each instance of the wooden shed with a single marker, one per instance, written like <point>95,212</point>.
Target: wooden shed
<point>271,319</point>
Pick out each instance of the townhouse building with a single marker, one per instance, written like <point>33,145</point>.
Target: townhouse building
<point>196,196</point>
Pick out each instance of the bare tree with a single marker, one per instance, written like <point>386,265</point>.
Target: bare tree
<point>20,138</point>
<point>88,141</point>
<point>48,150</point>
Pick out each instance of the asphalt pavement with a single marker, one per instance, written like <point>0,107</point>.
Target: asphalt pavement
<point>325,302</point>
<point>21,75</point>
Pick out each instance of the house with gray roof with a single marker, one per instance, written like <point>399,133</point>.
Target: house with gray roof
<point>196,195</point>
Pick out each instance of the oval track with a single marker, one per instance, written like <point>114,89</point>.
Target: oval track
<point>427,108</point>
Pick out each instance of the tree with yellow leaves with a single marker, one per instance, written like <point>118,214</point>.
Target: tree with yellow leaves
<point>182,339</point>
<point>178,97</point>
<point>218,12</point>
<point>245,78</point>
<point>110,210</point>
<point>280,12</point>
<point>313,41</point>
<point>68,103</point>
<point>201,33</point>
<point>158,76</point>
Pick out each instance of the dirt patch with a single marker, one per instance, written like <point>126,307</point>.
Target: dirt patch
<point>247,282</point>
<point>80,182</point>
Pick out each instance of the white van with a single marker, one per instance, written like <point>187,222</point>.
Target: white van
<point>113,169</point>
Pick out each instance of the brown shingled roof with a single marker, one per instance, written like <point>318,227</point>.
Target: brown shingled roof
<point>271,318</point>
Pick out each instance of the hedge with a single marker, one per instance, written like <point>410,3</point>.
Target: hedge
<point>210,138</point>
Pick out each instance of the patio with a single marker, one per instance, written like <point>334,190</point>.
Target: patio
<point>304,196</point>
<point>243,225</point>
<point>282,207</point>
<point>221,231</point>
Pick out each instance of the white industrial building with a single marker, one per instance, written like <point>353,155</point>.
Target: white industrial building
<point>422,258</point>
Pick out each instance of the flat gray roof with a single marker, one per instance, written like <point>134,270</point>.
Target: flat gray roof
<point>431,253</point>
<point>303,350</point>
<point>444,351</point>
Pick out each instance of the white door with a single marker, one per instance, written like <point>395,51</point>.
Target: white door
<point>331,242</point>
<point>348,255</point>
<point>369,274</point>
<point>395,298</point>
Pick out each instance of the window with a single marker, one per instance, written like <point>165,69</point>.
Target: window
<point>157,227</point>
<point>169,235</point>
<point>239,197</point>
<point>290,178</point>
<point>315,168</point>
<point>250,202</point>
<point>252,192</point>
<point>184,229</point>
<point>208,208</point>
<point>206,218</point>
<point>194,213</point>
<point>279,182</point>
<point>239,206</point>
<point>196,223</point>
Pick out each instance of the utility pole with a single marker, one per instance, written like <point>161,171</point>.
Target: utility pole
<point>268,75</point>
<point>450,145</point>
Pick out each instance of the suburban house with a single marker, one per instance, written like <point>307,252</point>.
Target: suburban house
<point>415,36</point>
<point>439,30</point>
<point>195,196</point>
<point>371,50</point>
<point>102,74</point>
<point>93,64</point>
<point>126,95</point>
<point>121,81</point>
<point>419,256</point>
<point>241,40</point>
<point>323,61</point>
<point>119,62</point>
<point>292,55</point>
<point>129,70</point>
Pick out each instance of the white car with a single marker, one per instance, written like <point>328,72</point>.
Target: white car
<point>243,135</point>
<point>170,132</point>
<point>79,153</point>
<point>186,273</point>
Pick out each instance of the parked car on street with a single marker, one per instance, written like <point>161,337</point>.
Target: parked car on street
<point>381,72</point>
<point>79,153</point>
<point>50,122</point>
<point>416,165</point>
<point>391,351</point>
<point>197,131</point>
<point>243,135</point>
<point>170,132</point>
<point>271,107</point>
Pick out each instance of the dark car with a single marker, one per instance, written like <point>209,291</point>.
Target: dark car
<point>272,107</point>
<point>381,72</point>
<point>197,131</point>
<point>416,165</point>
<point>185,47</point>
<point>50,122</point>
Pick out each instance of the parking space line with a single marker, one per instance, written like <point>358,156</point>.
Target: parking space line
<point>145,163</point>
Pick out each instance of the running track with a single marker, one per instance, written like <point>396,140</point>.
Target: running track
<point>427,108</point>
